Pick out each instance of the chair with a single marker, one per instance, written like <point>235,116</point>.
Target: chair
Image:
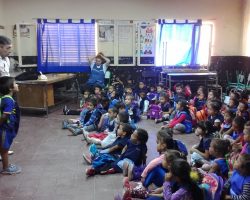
<point>240,78</point>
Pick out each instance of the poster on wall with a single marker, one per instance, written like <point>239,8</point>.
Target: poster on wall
<point>24,31</point>
<point>106,33</point>
<point>147,40</point>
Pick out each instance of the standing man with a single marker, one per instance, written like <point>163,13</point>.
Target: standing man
<point>5,49</point>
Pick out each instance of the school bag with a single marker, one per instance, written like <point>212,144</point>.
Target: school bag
<point>212,186</point>
<point>154,111</point>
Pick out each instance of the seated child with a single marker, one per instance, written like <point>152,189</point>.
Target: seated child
<point>118,85</point>
<point>102,160</point>
<point>152,94</point>
<point>166,107</point>
<point>246,131</point>
<point>106,125</point>
<point>134,153</point>
<point>233,105</point>
<point>242,111</point>
<point>143,103</point>
<point>227,124</point>
<point>218,149</point>
<point>235,133</point>
<point>83,104</point>
<point>182,122</point>
<point>238,186</point>
<point>132,109</point>
<point>200,152</point>
<point>199,101</point>
<point>214,115</point>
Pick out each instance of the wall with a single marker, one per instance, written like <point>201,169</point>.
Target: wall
<point>246,28</point>
<point>1,17</point>
<point>226,14</point>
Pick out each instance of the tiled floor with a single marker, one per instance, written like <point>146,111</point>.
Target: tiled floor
<point>52,164</point>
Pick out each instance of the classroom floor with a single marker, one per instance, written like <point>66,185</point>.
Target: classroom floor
<point>52,164</point>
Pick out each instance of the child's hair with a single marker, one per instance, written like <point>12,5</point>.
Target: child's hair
<point>240,122</point>
<point>221,147</point>
<point>236,94</point>
<point>119,105</point>
<point>98,86</point>
<point>245,165</point>
<point>100,57</point>
<point>114,110</point>
<point>104,100</point>
<point>94,101</point>
<point>142,135</point>
<point>204,90</point>
<point>183,103</point>
<point>123,117</point>
<point>4,40</point>
<point>171,155</point>
<point>215,94</point>
<point>6,84</point>
<point>165,138</point>
<point>216,105</point>
<point>245,105</point>
<point>206,127</point>
<point>230,113</point>
<point>126,128</point>
<point>130,96</point>
<point>179,85</point>
<point>164,95</point>
<point>181,169</point>
<point>236,101</point>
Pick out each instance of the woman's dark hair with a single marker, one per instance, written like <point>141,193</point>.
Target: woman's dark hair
<point>221,146</point>
<point>181,169</point>
<point>123,116</point>
<point>6,83</point>
<point>240,122</point>
<point>4,40</point>
<point>142,135</point>
<point>206,127</point>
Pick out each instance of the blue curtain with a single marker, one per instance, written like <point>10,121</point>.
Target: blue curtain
<point>177,43</point>
<point>65,46</point>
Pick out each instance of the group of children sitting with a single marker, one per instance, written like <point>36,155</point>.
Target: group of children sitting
<point>220,163</point>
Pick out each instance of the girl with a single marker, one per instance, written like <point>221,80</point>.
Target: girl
<point>238,186</point>
<point>199,100</point>
<point>227,124</point>
<point>182,122</point>
<point>132,109</point>
<point>214,115</point>
<point>233,105</point>
<point>114,99</point>
<point>218,149</point>
<point>180,173</point>
<point>9,122</point>
<point>98,65</point>
<point>152,94</point>
<point>134,153</point>
<point>235,133</point>
<point>200,152</point>
<point>165,107</point>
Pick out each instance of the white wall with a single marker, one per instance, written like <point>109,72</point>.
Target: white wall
<point>1,17</point>
<point>226,14</point>
<point>246,29</point>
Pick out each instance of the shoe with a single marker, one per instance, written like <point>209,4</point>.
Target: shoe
<point>90,172</point>
<point>75,131</point>
<point>65,124</point>
<point>10,152</point>
<point>12,169</point>
<point>65,110</point>
<point>157,121</point>
<point>87,158</point>
<point>109,171</point>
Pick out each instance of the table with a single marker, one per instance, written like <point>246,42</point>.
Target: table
<point>191,76</point>
<point>39,94</point>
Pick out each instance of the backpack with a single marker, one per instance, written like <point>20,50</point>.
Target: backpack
<point>212,186</point>
<point>154,111</point>
<point>182,147</point>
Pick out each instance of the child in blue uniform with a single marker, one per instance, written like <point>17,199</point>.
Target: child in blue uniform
<point>9,122</point>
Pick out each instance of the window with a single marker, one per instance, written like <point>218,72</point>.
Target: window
<point>65,46</point>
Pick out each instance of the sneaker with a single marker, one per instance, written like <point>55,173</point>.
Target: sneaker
<point>75,131</point>
<point>12,169</point>
<point>10,152</point>
<point>90,172</point>
<point>109,171</point>
<point>87,158</point>
<point>65,124</point>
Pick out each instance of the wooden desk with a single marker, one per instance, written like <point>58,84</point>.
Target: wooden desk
<point>39,94</point>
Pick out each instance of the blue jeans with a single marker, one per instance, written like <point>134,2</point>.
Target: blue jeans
<point>156,176</point>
